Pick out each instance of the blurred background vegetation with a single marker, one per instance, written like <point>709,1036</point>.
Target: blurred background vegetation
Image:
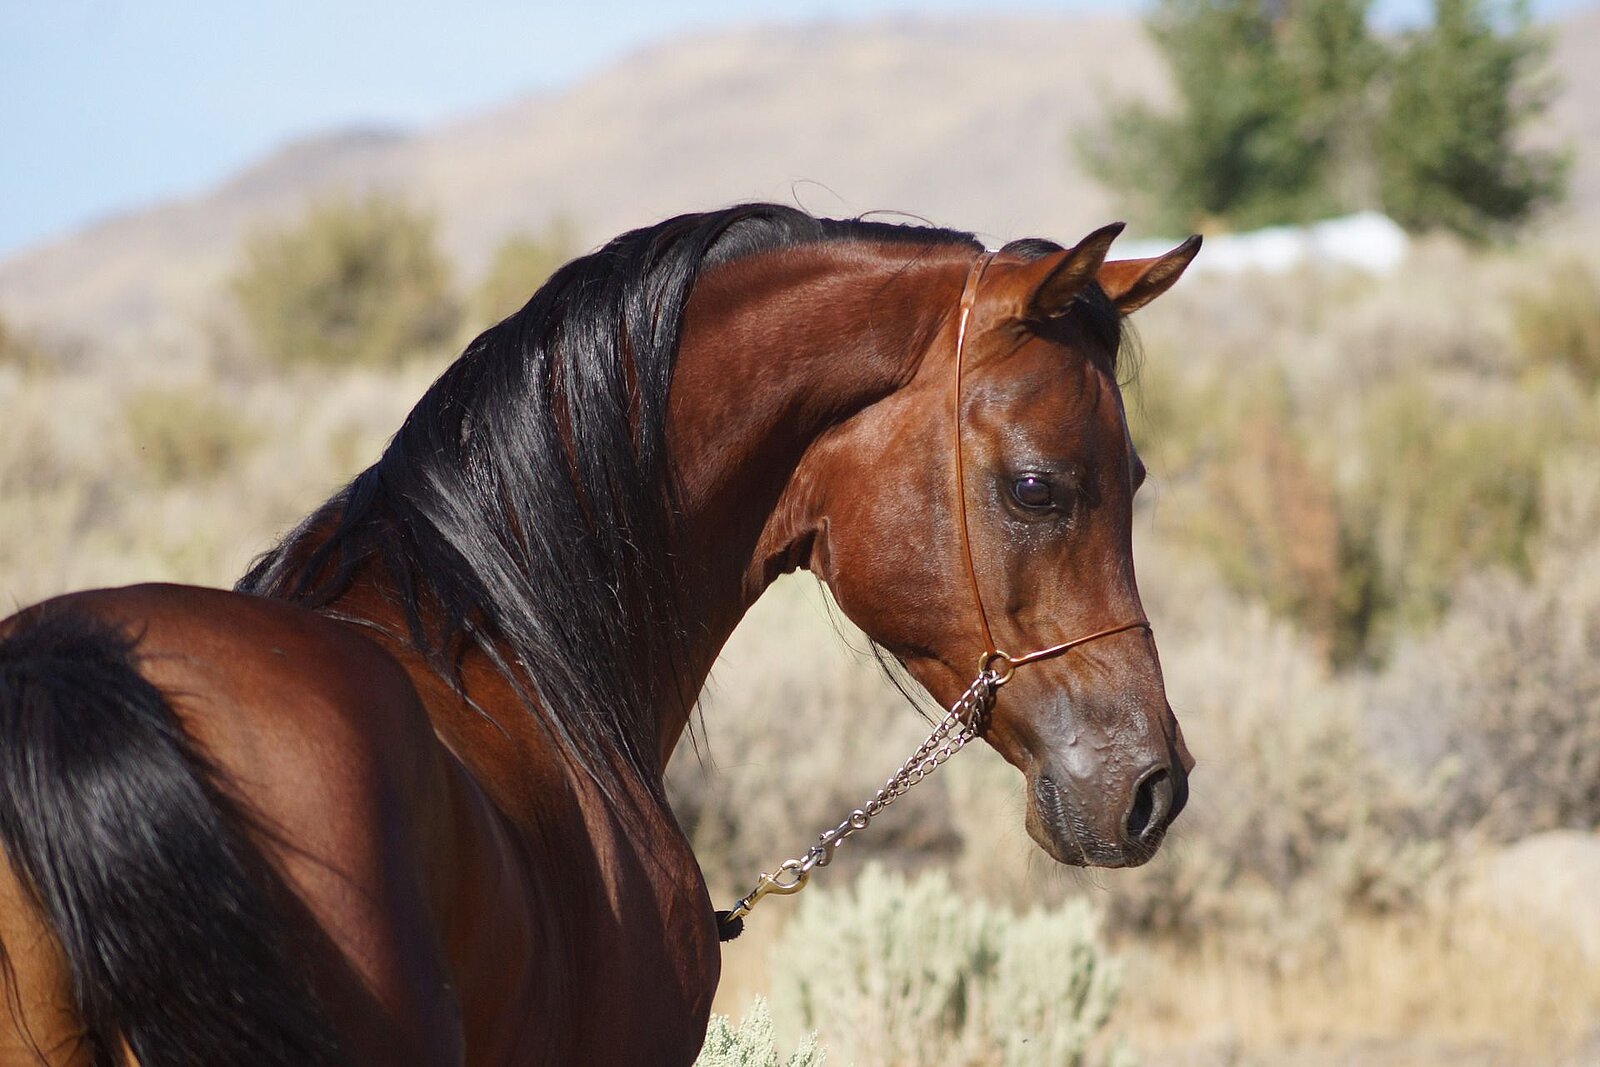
<point>1292,112</point>
<point>1370,548</point>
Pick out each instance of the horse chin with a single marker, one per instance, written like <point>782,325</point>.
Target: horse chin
<point>1056,826</point>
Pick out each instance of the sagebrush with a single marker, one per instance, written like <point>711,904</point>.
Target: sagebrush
<point>753,1044</point>
<point>898,971</point>
<point>357,281</point>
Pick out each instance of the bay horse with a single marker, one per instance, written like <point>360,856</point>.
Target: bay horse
<point>398,798</point>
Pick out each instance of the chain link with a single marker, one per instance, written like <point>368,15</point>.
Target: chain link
<point>950,735</point>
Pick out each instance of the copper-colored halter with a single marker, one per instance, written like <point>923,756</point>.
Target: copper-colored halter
<point>992,654</point>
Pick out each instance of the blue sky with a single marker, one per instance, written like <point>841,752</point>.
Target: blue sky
<point>106,105</point>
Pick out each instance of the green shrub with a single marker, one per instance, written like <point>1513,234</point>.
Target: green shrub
<point>1558,324</point>
<point>1254,497</point>
<point>897,972</point>
<point>1357,518</point>
<point>184,435</point>
<point>1272,524</point>
<point>1443,493</point>
<point>521,264</point>
<point>752,1044</point>
<point>18,350</point>
<point>355,282</point>
<point>1505,697</point>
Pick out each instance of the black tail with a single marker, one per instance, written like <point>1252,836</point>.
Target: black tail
<point>112,821</point>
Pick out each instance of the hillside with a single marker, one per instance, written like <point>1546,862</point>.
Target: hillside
<point>962,121</point>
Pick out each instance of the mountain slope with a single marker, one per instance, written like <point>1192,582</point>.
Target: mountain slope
<point>963,121</point>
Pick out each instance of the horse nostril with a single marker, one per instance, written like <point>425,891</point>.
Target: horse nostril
<point>1152,803</point>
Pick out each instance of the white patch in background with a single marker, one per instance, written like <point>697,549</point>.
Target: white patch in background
<point>1369,241</point>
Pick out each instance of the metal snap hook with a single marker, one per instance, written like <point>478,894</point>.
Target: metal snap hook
<point>791,877</point>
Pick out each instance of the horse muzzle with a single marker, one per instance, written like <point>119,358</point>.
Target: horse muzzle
<point>1125,833</point>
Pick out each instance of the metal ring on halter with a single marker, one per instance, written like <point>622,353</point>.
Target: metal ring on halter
<point>986,666</point>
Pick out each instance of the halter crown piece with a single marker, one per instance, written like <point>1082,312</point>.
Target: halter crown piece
<point>966,717</point>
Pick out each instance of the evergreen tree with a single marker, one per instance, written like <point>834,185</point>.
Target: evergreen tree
<point>1292,110</point>
<point>1463,95</point>
<point>1337,65</point>
<point>1249,143</point>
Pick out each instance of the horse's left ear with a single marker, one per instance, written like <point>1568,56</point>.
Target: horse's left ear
<point>1133,283</point>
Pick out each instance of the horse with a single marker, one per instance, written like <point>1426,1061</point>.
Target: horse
<point>398,797</point>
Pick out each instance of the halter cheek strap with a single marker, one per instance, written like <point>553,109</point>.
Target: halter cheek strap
<point>1000,664</point>
<point>969,297</point>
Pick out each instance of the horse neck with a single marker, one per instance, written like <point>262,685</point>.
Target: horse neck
<point>776,350</point>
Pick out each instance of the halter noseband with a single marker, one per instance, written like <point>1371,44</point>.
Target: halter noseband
<point>992,654</point>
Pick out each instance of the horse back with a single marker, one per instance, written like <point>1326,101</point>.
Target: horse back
<point>375,840</point>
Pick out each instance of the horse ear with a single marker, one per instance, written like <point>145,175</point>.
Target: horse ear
<point>1133,283</point>
<point>1067,274</point>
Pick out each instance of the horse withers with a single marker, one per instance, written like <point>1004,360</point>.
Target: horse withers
<point>398,798</point>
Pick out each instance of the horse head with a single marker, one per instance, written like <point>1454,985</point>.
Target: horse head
<point>981,518</point>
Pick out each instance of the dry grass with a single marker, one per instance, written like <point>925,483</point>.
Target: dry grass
<point>107,480</point>
<point>1449,986</point>
<point>1418,989</point>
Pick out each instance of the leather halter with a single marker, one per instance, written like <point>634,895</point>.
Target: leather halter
<point>992,654</point>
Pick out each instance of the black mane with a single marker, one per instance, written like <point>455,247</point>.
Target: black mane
<point>526,506</point>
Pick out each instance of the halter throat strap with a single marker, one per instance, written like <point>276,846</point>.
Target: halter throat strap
<point>1001,663</point>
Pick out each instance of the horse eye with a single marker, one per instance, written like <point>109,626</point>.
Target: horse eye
<point>1033,491</point>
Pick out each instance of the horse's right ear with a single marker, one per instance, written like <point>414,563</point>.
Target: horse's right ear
<point>1133,283</point>
<point>1067,274</point>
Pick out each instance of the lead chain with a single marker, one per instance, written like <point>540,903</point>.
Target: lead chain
<point>960,725</point>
